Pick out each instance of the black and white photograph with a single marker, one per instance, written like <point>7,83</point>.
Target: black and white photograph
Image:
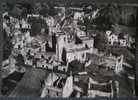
<point>68,48</point>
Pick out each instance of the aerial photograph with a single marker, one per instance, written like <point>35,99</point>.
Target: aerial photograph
<point>68,48</point>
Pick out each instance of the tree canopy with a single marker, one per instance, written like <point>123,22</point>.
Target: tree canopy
<point>37,25</point>
<point>109,15</point>
<point>76,66</point>
<point>100,41</point>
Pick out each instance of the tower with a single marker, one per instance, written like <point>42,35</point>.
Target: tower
<point>61,43</point>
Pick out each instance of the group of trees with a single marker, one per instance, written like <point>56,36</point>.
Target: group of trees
<point>7,46</point>
<point>37,24</point>
<point>111,14</point>
<point>47,9</point>
<point>109,17</point>
<point>20,8</point>
<point>100,41</point>
<point>17,9</point>
<point>75,66</point>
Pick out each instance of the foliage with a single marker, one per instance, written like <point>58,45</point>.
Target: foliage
<point>100,41</point>
<point>108,15</point>
<point>44,9</point>
<point>37,25</point>
<point>18,10</point>
<point>7,48</point>
<point>117,51</point>
<point>75,66</point>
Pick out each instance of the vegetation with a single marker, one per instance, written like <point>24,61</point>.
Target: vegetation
<point>117,51</point>
<point>37,25</point>
<point>7,46</point>
<point>109,15</point>
<point>100,41</point>
<point>75,66</point>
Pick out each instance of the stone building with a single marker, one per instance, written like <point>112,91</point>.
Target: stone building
<point>73,51</point>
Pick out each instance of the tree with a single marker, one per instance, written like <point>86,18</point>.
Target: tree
<point>76,66</point>
<point>37,25</point>
<point>128,56</point>
<point>109,15</point>
<point>7,46</point>
<point>37,7</point>
<point>47,9</point>
<point>7,49</point>
<point>44,11</point>
<point>52,11</point>
<point>100,41</point>
<point>35,29</point>
<point>27,5</point>
<point>16,11</point>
